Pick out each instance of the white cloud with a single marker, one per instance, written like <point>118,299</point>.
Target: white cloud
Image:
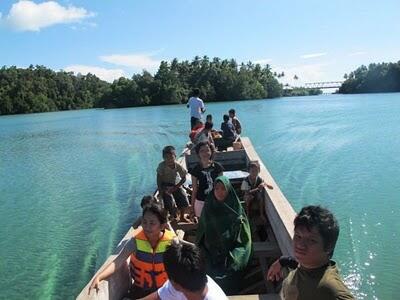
<point>313,55</point>
<point>137,61</point>
<point>105,74</point>
<point>263,61</point>
<point>358,53</point>
<point>29,16</point>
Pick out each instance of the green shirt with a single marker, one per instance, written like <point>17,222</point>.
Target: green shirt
<point>168,175</point>
<point>318,284</point>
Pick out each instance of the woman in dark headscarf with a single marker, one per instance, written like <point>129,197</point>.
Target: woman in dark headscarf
<point>224,236</point>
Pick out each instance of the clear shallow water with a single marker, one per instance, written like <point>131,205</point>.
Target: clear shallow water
<point>70,183</point>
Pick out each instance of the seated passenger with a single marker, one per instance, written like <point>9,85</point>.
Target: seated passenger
<point>228,134</point>
<point>314,274</point>
<point>187,276</point>
<point>146,200</point>
<point>235,121</point>
<point>170,178</point>
<point>145,250</point>
<point>204,135</point>
<point>214,133</point>
<point>224,236</point>
<point>203,176</point>
<point>196,130</point>
<point>253,189</point>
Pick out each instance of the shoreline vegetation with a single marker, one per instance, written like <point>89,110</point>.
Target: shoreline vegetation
<point>376,78</point>
<point>300,91</point>
<point>40,89</point>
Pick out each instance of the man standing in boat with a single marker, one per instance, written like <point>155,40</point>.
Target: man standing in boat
<point>196,106</point>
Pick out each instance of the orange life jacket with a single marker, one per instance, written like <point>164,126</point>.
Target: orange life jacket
<point>146,265</point>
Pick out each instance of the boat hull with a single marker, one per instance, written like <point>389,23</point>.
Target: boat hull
<point>279,212</point>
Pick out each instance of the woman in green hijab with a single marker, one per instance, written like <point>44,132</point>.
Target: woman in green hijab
<point>224,236</point>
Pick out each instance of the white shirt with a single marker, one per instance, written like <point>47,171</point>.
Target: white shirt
<point>196,105</point>
<point>168,292</point>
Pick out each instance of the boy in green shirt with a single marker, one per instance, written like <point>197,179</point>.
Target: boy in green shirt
<point>170,178</point>
<point>314,275</point>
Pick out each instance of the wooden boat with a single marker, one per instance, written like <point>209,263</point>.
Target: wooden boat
<point>276,242</point>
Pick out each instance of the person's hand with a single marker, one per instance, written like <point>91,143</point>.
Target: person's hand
<point>275,271</point>
<point>261,186</point>
<point>94,285</point>
<point>269,186</point>
<point>180,234</point>
<point>175,240</point>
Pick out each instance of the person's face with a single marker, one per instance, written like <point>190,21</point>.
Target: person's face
<point>231,115</point>
<point>220,192</point>
<point>151,226</point>
<point>309,247</point>
<point>253,172</point>
<point>170,158</point>
<point>205,152</point>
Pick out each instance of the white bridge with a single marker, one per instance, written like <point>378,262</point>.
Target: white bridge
<point>323,85</point>
<point>317,85</point>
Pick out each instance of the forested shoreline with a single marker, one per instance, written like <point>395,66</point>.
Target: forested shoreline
<point>376,78</point>
<point>40,89</point>
<point>300,91</point>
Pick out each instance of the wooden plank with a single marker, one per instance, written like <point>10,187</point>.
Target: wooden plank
<point>279,211</point>
<point>231,160</point>
<point>256,297</point>
<point>115,286</point>
<point>266,249</point>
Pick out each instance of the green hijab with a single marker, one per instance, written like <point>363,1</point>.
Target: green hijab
<point>224,232</point>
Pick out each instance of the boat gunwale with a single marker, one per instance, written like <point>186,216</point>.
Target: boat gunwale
<point>278,210</point>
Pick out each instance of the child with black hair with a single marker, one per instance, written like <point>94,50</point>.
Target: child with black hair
<point>235,121</point>
<point>253,189</point>
<point>170,178</point>
<point>187,278</point>
<point>314,275</point>
<point>228,134</point>
<point>214,133</point>
<point>204,135</point>
<point>203,176</point>
<point>146,200</point>
<point>145,253</point>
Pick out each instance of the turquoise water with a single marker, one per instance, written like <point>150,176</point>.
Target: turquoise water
<point>70,183</point>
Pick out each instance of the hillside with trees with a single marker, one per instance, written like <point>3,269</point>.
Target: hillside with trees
<point>218,80</point>
<point>376,78</point>
<point>39,89</point>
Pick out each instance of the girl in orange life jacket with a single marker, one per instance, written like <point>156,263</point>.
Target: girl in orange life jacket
<point>144,251</point>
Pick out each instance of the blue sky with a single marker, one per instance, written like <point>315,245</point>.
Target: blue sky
<point>316,40</point>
